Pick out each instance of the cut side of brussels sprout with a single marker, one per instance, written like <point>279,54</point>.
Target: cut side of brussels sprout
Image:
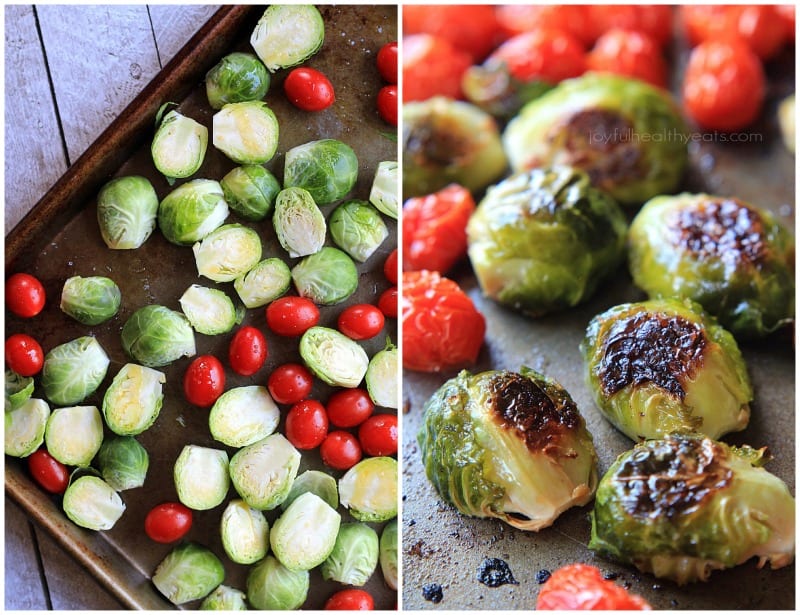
<point>74,434</point>
<point>358,229</point>
<point>191,211</point>
<point>354,557</point>
<point>319,483</point>
<point>209,310</point>
<point>245,533</point>
<point>250,191</point>
<point>382,377</point>
<point>189,572</point>
<point>156,335</point>
<point>227,252</point>
<point>299,223</point>
<point>238,77</point>
<point>25,426</point>
<point>201,476</point>
<point>273,587</point>
<point>92,503</point>
<point>389,544</point>
<point>287,35</point>
<point>72,371</point>
<point>122,462</point>
<point>133,401</point>
<point>327,277</point>
<point>264,283</point>
<point>246,132</point>
<point>243,415</point>
<point>91,300</point>
<point>179,145</point>
<point>305,534</point>
<point>262,473</point>
<point>224,598</point>
<point>327,168</point>
<point>333,357</point>
<point>369,489</point>
<point>383,193</point>
<point>18,390</point>
<point>126,212</point>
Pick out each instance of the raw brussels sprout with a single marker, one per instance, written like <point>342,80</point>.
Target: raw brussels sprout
<point>156,335</point>
<point>305,533</point>
<point>664,366</point>
<point>189,572</point>
<point>191,211</point>
<point>246,132</point>
<point>25,426</point>
<point>209,310</point>
<point>250,191</point>
<point>684,506</point>
<point>299,223</point>
<point>92,503</point>
<point>264,283</point>
<point>449,141</point>
<point>133,401</point>
<point>126,212</point>
<point>273,587</point>
<point>358,229</point>
<point>18,390</point>
<point>327,277</point>
<point>544,240</point>
<point>383,193</point>
<point>262,473</point>
<point>287,35</point>
<point>74,434</point>
<point>238,77</point>
<point>327,168</point>
<point>508,445</point>
<point>90,300</point>
<point>626,134</point>
<point>733,258</point>
<point>227,252</point>
<point>243,415</point>
<point>382,376</point>
<point>122,462</point>
<point>245,533</point>
<point>224,598</point>
<point>388,553</point>
<point>333,357</point>
<point>369,489</point>
<point>201,476</point>
<point>72,371</point>
<point>319,483</point>
<point>354,556</point>
<point>179,145</point>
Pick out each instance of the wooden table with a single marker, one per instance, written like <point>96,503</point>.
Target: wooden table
<point>69,71</point>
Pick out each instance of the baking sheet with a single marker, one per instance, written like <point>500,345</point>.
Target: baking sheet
<point>60,238</point>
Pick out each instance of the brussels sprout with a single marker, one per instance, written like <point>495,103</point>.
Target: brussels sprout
<point>227,252</point>
<point>91,503</point>
<point>245,533</point>
<point>354,556</point>
<point>491,87</point>
<point>238,77</point>
<point>224,598</point>
<point>264,283</point>
<point>246,132</point>
<point>191,211</point>
<point>189,572</point>
<point>250,191</point>
<point>179,145</point>
<point>383,193</point>
<point>449,141</point>
<point>287,35</point>
<point>369,489</point>
<point>327,168</point>
<point>201,476</point>
<point>545,240</point>
<point>156,335</point>
<point>319,483</point>
<point>684,506</point>
<point>126,212</point>
<point>508,445</point>
<point>122,462</point>
<point>273,587</point>
<point>18,390</point>
<point>262,473</point>
<point>243,416</point>
<point>305,534</point>
<point>74,434</point>
<point>786,121</point>
<point>733,258</point>
<point>388,553</point>
<point>209,310</point>
<point>664,366</point>
<point>358,229</point>
<point>133,401</point>
<point>91,300</point>
<point>333,357</point>
<point>327,277</point>
<point>299,223</point>
<point>626,134</point>
<point>382,377</point>
<point>25,426</point>
<point>72,371</point>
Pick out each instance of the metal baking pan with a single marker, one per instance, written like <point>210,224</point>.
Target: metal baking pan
<point>60,238</point>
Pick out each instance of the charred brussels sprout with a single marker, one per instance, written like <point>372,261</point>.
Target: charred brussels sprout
<point>327,168</point>
<point>287,35</point>
<point>126,212</point>
<point>250,191</point>
<point>686,505</point>
<point>191,211</point>
<point>508,445</point>
<point>91,300</point>
<point>627,135</point>
<point>238,77</point>
<point>733,258</point>
<point>664,366</point>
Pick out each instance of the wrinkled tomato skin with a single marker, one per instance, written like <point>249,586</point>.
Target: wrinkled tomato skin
<point>432,67</point>
<point>582,587</point>
<point>548,55</point>
<point>472,29</point>
<point>631,54</point>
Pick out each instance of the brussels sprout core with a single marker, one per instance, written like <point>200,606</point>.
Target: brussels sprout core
<point>299,223</point>
<point>369,489</point>
<point>74,434</point>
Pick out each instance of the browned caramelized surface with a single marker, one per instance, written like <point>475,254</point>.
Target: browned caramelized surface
<point>439,142</point>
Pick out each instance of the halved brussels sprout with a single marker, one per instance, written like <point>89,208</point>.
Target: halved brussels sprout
<point>319,483</point>
<point>299,223</point>
<point>179,145</point>
<point>333,357</point>
<point>246,132</point>
<point>91,300</point>
<point>18,390</point>
<point>355,555</point>
<point>733,258</point>
<point>664,366</point>
<point>382,377</point>
<point>92,503</point>
<point>383,193</point>
<point>305,534</point>
<point>327,168</point>
<point>25,426</point>
<point>491,87</point>
<point>250,191</point>
<point>201,476</point>
<point>191,211</point>
<point>224,598</point>
<point>508,445</point>
<point>156,335</point>
<point>369,489</point>
<point>133,401</point>
<point>358,229</point>
<point>327,277</point>
<point>126,212</point>
<point>545,240</point>
<point>74,434</point>
<point>388,553</point>
<point>273,587</point>
<point>262,473</point>
<point>189,572</point>
<point>684,506</point>
<point>245,533</point>
<point>227,252</point>
<point>287,35</point>
<point>122,462</point>
<point>243,415</point>
<point>238,77</point>
<point>264,283</point>
<point>72,371</point>
<point>209,310</point>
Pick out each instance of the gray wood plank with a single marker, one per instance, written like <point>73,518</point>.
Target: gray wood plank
<point>174,25</point>
<point>23,581</point>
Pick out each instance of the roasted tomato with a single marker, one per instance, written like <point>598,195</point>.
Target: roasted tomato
<point>518,18</point>
<point>546,54</point>
<point>432,66</point>
<point>760,27</point>
<point>472,29</point>
<point>654,20</point>
<point>580,587</point>
<point>629,53</point>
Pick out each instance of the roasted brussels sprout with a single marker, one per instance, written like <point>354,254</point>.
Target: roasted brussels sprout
<point>355,555</point>
<point>369,489</point>
<point>287,35</point>
<point>246,132</point>
<point>250,191</point>
<point>305,533</point>
<point>383,193</point>
<point>74,434</point>
<point>72,371</point>
<point>209,310</point>
<point>245,533</point>
<point>510,445</point>
<point>227,252</point>
<point>243,415</point>
<point>388,553</point>
<point>382,377</point>
<point>262,473</point>
<point>189,572</point>
<point>123,462</point>
<point>271,586</point>
<point>626,134</point>
<point>333,357</point>
<point>491,87</point>
<point>126,212</point>
<point>179,145</point>
<point>201,476</point>
<point>319,483</point>
<point>133,401</point>
<point>664,366</point>
<point>545,240</point>
<point>327,168</point>
<point>191,211</point>
<point>91,300</point>
<point>18,390</point>
<point>684,506</point>
<point>156,335</point>
<point>224,598</point>
<point>238,77</point>
<point>327,277</point>
<point>299,223</point>
<point>264,283</point>
<point>733,258</point>
<point>25,426</point>
<point>358,229</point>
<point>786,121</point>
<point>92,503</point>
